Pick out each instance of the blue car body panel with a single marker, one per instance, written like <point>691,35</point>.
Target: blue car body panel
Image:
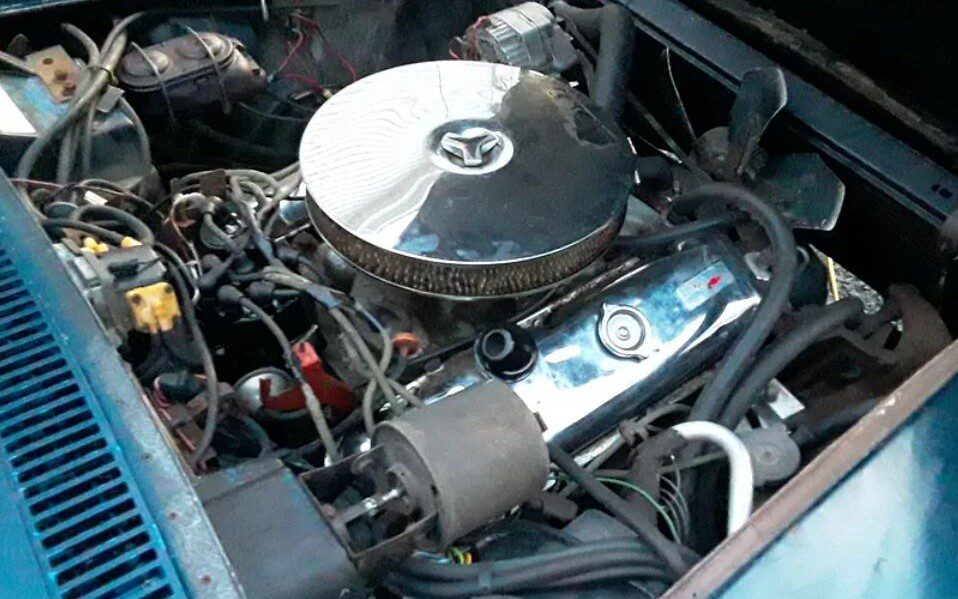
<point>887,531</point>
<point>21,6</point>
<point>66,478</point>
<point>94,503</point>
<point>23,574</point>
<point>872,517</point>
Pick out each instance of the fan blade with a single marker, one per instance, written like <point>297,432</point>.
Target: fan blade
<point>804,188</point>
<point>761,96</point>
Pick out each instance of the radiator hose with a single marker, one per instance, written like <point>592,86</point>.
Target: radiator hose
<point>781,353</point>
<point>612,26</point>
<point>711,402</point>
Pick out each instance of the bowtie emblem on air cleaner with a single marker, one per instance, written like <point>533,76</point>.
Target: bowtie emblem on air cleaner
<point>471,147</point>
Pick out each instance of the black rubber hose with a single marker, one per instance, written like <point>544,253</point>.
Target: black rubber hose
<point>81,132</point>
<point>286,347</point>
<point>136,226</point>
<point>590,579</point>
<point>155,360</point>
<point>143,142</point>
<point>65,159</point>
<point>228,242</point>
<point>51,225</point>
<point>521,581</point>
<point>89,46</point>
<point>647,531</point>
<point>174,261</point>
<point>657,239</point>
<point>781,353</point>
<point>711,400</point>
<point>86,141</point>
<point>809,435</point>
<point>601,560</point>
<point>612,26</point>
<point>206,358</point>
<point>595,554</point>
<point>536,575</point>
<point>231,294</point>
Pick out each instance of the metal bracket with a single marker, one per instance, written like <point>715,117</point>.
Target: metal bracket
<point>57,71</point>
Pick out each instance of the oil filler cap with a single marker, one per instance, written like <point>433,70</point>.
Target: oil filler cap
<point>507,352</point>
<point>623,331</point>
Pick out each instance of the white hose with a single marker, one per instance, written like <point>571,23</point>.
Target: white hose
<point>741,479</point>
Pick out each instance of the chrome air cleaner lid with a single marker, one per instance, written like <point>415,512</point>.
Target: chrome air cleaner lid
<point>465,179</point>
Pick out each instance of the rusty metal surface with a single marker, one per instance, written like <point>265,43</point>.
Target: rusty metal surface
<point>57,71</point>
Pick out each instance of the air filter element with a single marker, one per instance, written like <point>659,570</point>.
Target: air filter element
<point>465,179</point>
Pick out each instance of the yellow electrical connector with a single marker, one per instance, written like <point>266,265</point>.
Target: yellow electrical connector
<point>154,308</point>
<point>97,247</point>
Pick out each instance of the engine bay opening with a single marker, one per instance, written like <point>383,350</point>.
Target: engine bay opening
<point>507,299</point>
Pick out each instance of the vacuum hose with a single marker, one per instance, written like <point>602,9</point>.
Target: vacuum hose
<point>612,26</point>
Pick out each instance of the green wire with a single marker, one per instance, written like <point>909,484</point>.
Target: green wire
<point>633,487</point>
<point>658,507</point>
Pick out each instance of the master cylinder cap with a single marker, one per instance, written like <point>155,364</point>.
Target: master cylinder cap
<point>465,179</point>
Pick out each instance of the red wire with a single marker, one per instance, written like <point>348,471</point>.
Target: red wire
<point>332,49</point>
<point>294,49</point>
<point>474,35</point>
<point>452,53</point>
<point>48,184</point>
<point>158,394</point>
<point>316,85</point>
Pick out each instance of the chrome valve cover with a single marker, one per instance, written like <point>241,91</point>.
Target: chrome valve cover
<point>629,342</point>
